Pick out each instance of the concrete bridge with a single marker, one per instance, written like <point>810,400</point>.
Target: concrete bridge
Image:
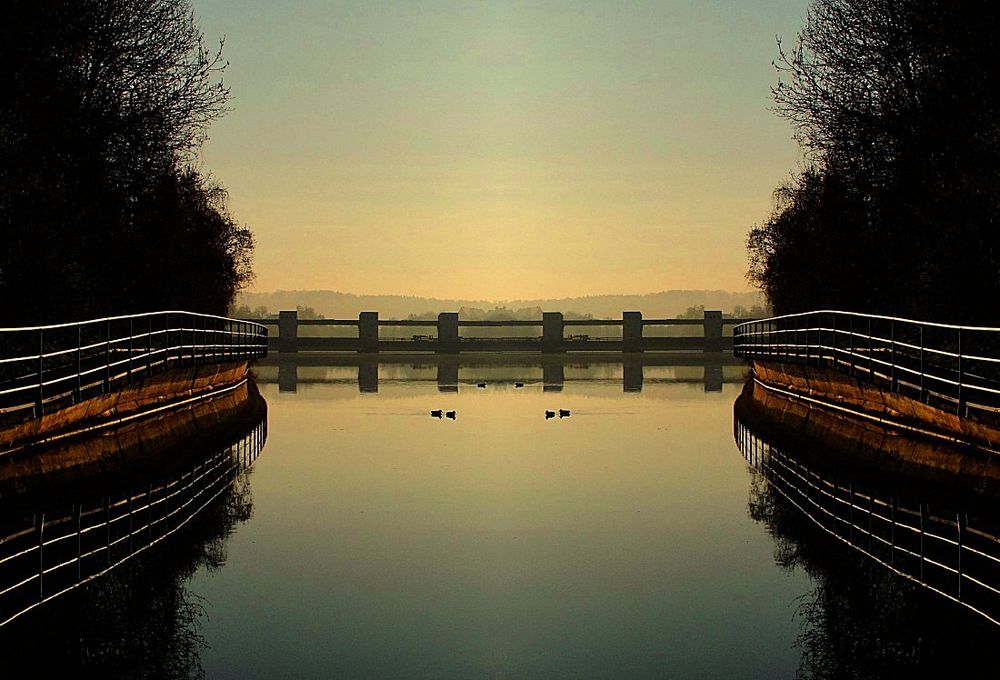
<point>552,334</point>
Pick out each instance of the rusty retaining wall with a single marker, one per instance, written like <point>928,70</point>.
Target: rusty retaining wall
<point>851,395</point>
<point>146,396</point>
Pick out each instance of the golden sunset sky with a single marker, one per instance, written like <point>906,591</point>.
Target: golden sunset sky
<point>500,150</point>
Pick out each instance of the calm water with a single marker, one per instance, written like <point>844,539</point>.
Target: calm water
<point>630,539</point>
<point>614,542</point>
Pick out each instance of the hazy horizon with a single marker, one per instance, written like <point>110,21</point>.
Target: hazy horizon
<point>339,304</point>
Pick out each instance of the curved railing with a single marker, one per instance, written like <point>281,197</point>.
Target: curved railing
<point>947,550</point>
<point>53,551</point>
<point>44,368</point>
<point>950,366</point>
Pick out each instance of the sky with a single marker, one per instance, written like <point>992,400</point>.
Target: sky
<point>500,150</point>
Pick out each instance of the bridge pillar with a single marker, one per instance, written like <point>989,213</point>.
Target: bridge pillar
<point>288,331</point>
<point>448,333</point>
<point>631,331</point>
<point>552,332</point>
<point>368,332</point>
<point>713,331</point>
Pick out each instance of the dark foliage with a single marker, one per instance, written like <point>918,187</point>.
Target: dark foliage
<point>896,104</point>
<point>103,107</point>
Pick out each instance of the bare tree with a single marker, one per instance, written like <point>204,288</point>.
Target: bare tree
<point>895,104</point>
<point>104,105</point>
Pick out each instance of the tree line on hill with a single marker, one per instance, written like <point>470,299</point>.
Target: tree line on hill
<point>103,209</point>
<point>896,105</point>
<point>338,305</point>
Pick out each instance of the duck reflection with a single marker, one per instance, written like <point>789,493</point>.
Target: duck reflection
<point>93,565</point>
<point>906,568</point>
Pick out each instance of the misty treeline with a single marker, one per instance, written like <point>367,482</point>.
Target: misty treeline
<point>895,104</point>
<point>104,105</point>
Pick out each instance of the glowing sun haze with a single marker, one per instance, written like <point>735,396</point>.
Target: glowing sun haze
<point>500,150</point>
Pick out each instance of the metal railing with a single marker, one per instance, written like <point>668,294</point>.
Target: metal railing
<point>44,368</point>
<point>949,366</point>
<point>946,550</point>
<point>49,553</point>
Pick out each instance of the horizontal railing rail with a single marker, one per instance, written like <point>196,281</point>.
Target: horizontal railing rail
<point>949,366</point>
<point>950,552</point>
<point>44,368</point>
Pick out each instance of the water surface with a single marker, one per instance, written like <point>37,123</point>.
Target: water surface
<point>613,542</point>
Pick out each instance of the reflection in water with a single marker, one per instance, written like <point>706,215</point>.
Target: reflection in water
<point>922,584</point>
<point>551,372</point>
<point>96,582</point>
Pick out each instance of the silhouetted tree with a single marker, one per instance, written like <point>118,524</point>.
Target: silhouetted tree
<point>104,105</point>
<point>896,105</point>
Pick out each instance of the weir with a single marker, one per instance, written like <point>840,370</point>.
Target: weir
<point>552,334</point>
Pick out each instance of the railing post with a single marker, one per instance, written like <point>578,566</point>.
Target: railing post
<point>128,366</point>
<point>835,344</point>
<point>368,332</point>
<point>149,345</point>
<point>712,322</point>
<point>923,397</point>
<point>552,332</point>
<point>447,330</point>
<point>288,331</point>
<point>819,339</point>
<point>871,365</point>
<point>194,341</point>
<point>166,341</point>
<point>107,360</point>
<point>850,325</point>
<point>40,398</point>
<point>631,331</point>
<point>961,395</point>
<point>892,356</point>
<point>79,363</point>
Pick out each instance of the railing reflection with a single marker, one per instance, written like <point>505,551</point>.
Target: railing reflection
<point>50,552</point>
<point>940,545</point>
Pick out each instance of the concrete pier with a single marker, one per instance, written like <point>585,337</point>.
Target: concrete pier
<point>368,332</point>
<point>713,331</point>
<point>288,331</point>
<point>632,331</point>
<point>552,332</point>
<point>448,333</point>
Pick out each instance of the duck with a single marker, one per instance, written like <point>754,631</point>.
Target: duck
<point>436,413</point>
<point>451,414</point>
<point>481,385</point>
<point>518,385</point>
<point>564,413</point>
<point>550,414</point>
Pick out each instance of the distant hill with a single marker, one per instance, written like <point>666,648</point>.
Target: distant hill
<point>336,305</point>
